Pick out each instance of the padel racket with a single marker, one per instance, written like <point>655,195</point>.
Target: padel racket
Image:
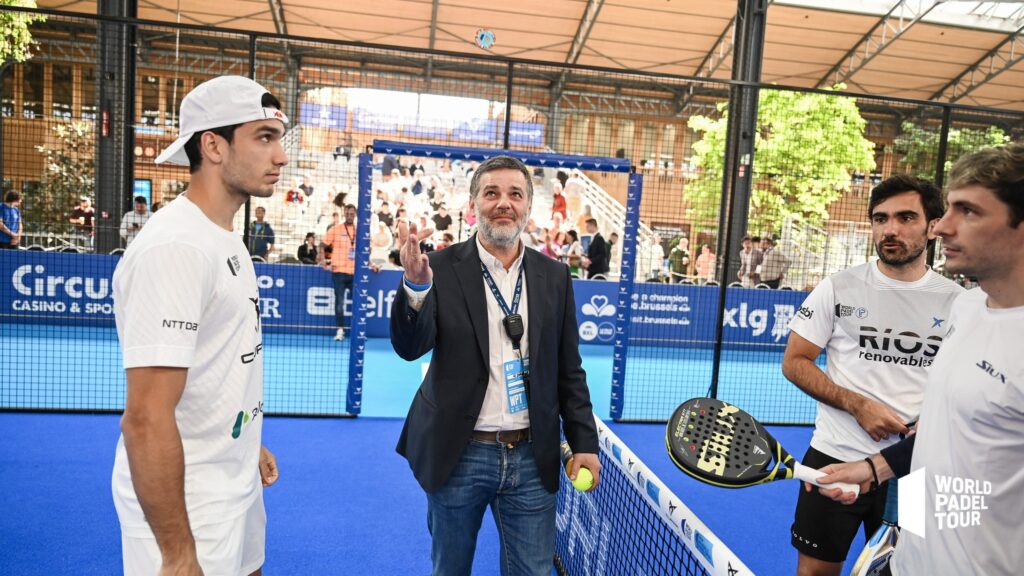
<point>720,444</point>
<point>878,550</point>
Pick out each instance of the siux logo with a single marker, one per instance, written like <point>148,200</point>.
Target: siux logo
<point>991,371</point>
<point>244,418</point>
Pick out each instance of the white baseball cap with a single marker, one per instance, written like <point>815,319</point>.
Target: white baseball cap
<point>222,101</point>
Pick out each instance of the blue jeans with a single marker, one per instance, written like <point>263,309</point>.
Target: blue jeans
<point>342,283</point>
<point>506,479</point>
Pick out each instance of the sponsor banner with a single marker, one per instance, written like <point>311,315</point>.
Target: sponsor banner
<point>526,134</point>
<point>528,158</point>
<point>364,120</point>
<point>476,130</point>
<point>436,131</point>
<point>60,288</point>
<point>323,115</point>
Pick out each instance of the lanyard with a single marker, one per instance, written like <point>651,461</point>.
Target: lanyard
<point>513,322</point>
<point>497,295</point>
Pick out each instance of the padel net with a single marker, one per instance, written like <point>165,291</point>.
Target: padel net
<point>633,524</point>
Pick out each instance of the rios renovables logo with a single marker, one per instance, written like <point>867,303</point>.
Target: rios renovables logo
<point>244,418</point>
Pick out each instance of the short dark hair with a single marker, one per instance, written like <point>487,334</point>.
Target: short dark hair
<point>141,200</point>
<point>1001,170</point>
<point>195,158</point>
<point>931,196</point>
<point>746,237</point>
<point>310,235</point>
<point>755,239</point>
<point>12,196</point>
<point>500,163</point>
<point>591,221</point>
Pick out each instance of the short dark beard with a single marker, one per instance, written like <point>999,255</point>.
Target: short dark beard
<point>910,257</point>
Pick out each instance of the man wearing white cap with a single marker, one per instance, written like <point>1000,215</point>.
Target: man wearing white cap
<point>187,309</point>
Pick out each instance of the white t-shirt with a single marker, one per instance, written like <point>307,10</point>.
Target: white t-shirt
<point>880,335</point>
<point>972,428</point>
<point>185,295</point>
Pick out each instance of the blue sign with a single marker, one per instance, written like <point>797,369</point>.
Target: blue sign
<point>526,134</point>
<point>529,158</point>
<point>143,187</point>
<point>476,130</point>
<point>423,130</point>
<point>323,115</point>
<point>365,120</point>
<point>64,288</point>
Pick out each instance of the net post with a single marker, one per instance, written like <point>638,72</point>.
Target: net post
<point>625,291</point>
<point>360,288</point>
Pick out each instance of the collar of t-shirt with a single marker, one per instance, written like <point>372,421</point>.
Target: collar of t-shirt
<point>880,278</point>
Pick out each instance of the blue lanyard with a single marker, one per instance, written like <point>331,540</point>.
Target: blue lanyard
<point>497,295</point>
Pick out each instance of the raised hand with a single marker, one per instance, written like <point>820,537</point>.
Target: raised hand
<point>415,262</point>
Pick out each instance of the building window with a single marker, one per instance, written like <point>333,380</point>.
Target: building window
<point>63,81</point>
<point>150,100</point>
<point>32,90</point>
<point>174,91</point>
<point>89,88</point>
<point>7,96</point>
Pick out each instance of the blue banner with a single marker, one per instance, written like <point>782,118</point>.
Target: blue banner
<point>76,289</point>
<point>480,154</point>
<point>323,115</point>
<point>422,130</point>
<point>526,134</point>
<point>476,130</point>
<point>365,120</point>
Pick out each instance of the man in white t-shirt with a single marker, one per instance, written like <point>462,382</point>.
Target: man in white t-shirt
<point>882,324</point>
<point>132,222</point>
<point>189,464</point>
<point>969,446</point>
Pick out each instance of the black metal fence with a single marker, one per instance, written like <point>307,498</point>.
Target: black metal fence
<point>84,118</point>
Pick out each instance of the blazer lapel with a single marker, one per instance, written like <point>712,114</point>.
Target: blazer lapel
<point>467,269</point>
<point>536,287</point>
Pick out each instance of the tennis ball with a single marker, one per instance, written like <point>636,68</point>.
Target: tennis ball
<point>584,479</point>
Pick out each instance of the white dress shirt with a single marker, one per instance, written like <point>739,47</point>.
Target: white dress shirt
<point>495,414</point>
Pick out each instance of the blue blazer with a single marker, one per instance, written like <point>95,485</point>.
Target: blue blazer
<point>453,323</point>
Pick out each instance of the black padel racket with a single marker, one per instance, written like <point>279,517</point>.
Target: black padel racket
<point>720,444</point>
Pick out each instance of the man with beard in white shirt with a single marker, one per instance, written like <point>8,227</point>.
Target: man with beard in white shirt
<point>882,324</point>
<point>971,432</point>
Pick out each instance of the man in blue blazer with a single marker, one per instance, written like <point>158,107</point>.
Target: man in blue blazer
<point>483,429</point>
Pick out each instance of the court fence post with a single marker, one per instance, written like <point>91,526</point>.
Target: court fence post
<point>360,288</point>
<point>623,312</point>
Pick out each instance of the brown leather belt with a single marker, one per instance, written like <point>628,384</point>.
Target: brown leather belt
<point>502,436</point>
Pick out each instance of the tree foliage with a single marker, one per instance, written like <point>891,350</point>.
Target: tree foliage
<point>807,147</point>
<point>919,146</point>
<point>15,38</point>
<point>67,175</point>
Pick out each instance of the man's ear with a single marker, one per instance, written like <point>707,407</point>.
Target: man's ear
<point>211,147</point>
<point>931,228</point>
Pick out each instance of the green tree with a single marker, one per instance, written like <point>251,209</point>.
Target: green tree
<point>918,146</point>
<point>806,148</point>
<point>67,175</point>
<point>15,38</point>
